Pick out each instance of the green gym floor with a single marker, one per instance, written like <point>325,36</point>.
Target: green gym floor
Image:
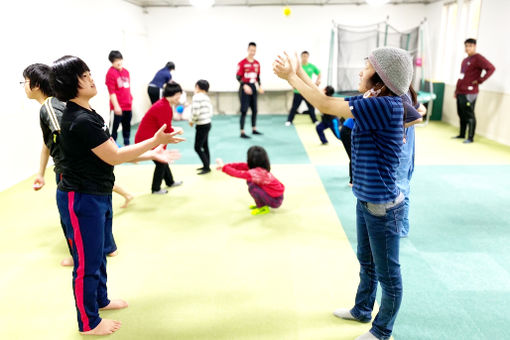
<point>194,264</point>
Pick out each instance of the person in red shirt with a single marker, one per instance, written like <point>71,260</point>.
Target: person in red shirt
<point>248,75</point>
<point>161,113</point>
<point>265,189</point>
<point>466,90</point>
<point>118,83</point>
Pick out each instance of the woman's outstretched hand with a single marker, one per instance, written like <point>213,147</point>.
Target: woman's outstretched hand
<point>284,66</point>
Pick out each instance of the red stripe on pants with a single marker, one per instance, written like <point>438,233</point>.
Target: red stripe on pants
<point>80,271</point>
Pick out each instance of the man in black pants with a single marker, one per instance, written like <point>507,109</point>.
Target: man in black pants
<point>248,75</point>
<point>466,90</point>
<point>310,70</point>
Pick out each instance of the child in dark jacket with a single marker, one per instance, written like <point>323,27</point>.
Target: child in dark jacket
<point>328,121</point>
<point>265,189</point>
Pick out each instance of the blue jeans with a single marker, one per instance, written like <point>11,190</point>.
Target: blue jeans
<point>378,255</point>
<point>404,174</point>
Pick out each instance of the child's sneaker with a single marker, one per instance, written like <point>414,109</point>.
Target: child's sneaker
<point>253,207</point>
<point>260,211</point>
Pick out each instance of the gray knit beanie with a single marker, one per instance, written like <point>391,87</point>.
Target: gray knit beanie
<point>394,66</point>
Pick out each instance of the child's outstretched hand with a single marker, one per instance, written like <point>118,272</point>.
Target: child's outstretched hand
<point>219,164</point>
<point>162,137</point>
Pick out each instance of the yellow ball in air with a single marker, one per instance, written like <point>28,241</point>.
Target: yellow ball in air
<point>286,11</point>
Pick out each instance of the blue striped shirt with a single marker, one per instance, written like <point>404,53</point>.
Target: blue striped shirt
<point>377,140</point>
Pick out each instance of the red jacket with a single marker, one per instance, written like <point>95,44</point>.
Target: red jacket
<point>471,70</point>
<point>258,176</point>
<point>160,113</point>
<point>119,82</point>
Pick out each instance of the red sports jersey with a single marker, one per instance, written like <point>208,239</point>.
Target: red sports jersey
<point>249,71</point>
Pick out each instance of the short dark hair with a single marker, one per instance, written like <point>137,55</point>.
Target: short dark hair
<point>329,90</point>
<point>305,52</point>
<point>170,65</point>
<point>114,55</point>
<point>258,158</point>
<point>252,44</point>
<point>203,85</point>
<point>171,88</point>
<point>65,75</point>
<point>470,41</point>
<point>39,76</point>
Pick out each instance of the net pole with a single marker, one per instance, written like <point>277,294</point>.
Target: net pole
<point>331,56</point>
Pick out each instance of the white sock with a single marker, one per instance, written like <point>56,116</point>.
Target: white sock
<point>367,336</point>
<point>344,313</point>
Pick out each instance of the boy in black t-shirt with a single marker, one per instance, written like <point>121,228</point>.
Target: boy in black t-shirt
<point>84,193</point>
<point>37,87</point>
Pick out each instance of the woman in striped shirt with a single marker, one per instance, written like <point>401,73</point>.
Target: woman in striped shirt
<point>377,140</point>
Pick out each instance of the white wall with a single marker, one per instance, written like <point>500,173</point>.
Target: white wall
<point>42,31</point>
<point>209,43</point>
<point>493,43</point>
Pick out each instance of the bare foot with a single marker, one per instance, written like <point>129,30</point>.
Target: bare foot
<point>105,327</point>
<point>128,198</point>
<point>115,304</point>
<point>67,262</point>
<point>114,253</point>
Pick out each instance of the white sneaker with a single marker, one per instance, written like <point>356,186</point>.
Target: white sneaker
<point>367,336</point>
<point>160,192</point>
<point>288,123</point>
<point>176,184</point>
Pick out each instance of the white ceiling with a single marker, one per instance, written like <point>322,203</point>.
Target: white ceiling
<point>181,3</point>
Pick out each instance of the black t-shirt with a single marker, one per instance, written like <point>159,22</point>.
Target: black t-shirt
<point>50,116</point>
<point>81,131</point>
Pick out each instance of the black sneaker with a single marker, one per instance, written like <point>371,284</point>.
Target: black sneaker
<point>244,135</point>
<point>468,141</point>
<point>200,169</point>
<point>255,132</point>
<point>204,171</point>
<point>458,137</point>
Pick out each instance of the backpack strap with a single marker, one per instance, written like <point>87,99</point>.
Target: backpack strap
<point>55,126</point>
